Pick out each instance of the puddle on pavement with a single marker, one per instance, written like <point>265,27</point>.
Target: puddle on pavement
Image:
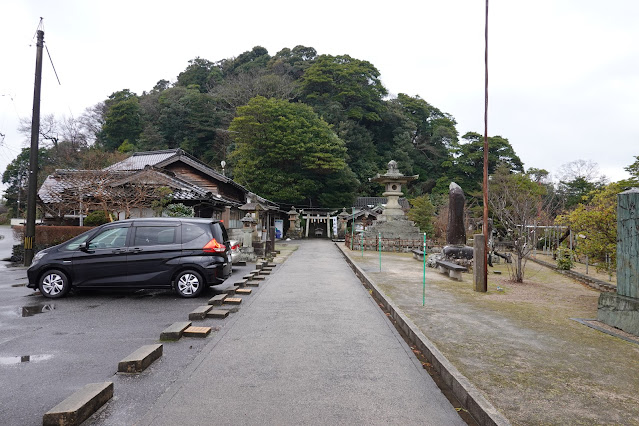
<point>12,360</point>
<point>31,310</point>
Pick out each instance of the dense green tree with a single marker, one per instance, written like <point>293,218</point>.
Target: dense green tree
<point>466,167</point>
<point>422,212</point>
<point>285,152</point>
<point>578,181</point>
<point>201,73</point>
<point>122,121</point>
<point>341,87</point>
<point>596,221</point>
<point>251,60</point>
<point>16,177</point>
<point>292,62</point>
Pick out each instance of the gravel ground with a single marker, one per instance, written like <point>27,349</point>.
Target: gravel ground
<point>517,343</point>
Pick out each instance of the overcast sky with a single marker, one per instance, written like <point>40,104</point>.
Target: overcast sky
<point>563,82</point>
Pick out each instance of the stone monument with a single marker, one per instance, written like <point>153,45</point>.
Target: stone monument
<point>456,247</point>
<point>621,310</point>
<point>294,228</point>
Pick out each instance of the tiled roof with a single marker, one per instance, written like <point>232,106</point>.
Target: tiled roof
<point>139,160</point>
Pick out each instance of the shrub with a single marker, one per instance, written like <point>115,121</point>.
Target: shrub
<point>564,260</point>
<point>96,218</point>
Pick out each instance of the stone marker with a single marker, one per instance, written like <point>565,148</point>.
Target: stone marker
<point>197,331</point>
<point>80,405</point>
<point>621,310</point>
<point>175,330</point>
<point>479,264</point>
<point>217,313</point>
<point>139,360</point>
<point>200,312</point>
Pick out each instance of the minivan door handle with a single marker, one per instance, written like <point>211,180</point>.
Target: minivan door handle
<point>119,251</point>
<point>135,250</point>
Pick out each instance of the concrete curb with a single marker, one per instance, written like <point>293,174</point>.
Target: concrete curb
<point>140,359</point>
<point>477,405</point>
<point>80,405</point>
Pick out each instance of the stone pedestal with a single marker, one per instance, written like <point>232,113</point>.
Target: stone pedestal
<point>479,263</point>
<point>621,310</point>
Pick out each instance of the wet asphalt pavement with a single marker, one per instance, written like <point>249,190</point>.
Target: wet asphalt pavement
<point>309,346</point>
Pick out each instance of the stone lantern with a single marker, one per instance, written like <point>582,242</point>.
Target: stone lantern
<point>342,223</point>
<point>248,227</point>
<point>294,229</point>
<point>392,181</point>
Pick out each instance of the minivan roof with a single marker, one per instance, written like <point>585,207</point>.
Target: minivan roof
<point>174,219</point>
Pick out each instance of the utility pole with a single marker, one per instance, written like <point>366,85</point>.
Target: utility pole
<point>29,235</point>
<point>485,186</point>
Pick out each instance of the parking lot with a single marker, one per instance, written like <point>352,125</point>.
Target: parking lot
<point>50,348</point>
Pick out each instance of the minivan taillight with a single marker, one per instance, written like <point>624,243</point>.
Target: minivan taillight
<point>214,247</point>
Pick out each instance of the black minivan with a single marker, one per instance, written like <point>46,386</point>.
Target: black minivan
<point>186,254</point>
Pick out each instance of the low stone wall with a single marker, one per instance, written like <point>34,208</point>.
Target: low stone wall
<point>589,281</point>
<point>389,244</point>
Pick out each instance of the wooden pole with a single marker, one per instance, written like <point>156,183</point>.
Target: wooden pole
<point>29,235</point>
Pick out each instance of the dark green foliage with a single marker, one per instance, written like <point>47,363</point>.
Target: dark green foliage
<point>96,218</point>
<point>122,121</point>
<point>285,152</point>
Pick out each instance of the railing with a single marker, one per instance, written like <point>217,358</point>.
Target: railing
<point>388,244</point>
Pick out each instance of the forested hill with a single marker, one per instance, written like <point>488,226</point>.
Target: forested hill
<point>296,127</point>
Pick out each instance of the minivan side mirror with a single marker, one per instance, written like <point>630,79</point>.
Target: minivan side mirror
<point>84,246</point>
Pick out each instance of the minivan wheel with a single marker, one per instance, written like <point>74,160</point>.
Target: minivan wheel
<point>54,284</point>
<point>189,284</point>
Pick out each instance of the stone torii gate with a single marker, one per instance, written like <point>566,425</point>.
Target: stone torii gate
<point>316,216</point>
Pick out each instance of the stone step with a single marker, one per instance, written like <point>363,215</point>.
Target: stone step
<point>80,405</point>
<point>217,313</point>
<point>231,290</point>
<point>259,278</point>
<point>218,299</point>
<point>197,331</point>
<point>265,272</point>
<point>248,276</point>
<point>243,291</point>
<point>139,360</point>
<point>233,300</point>
<point>271,265</point>
<point>175,330</point>
<point>200,312</point>
<point>253,284</point>
<point>255,272</point>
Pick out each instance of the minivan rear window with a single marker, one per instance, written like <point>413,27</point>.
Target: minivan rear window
<point>191,232</point>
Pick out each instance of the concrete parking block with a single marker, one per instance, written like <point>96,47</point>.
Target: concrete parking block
<point>231,290</point>
<point>248,276</point>
<point>217,299</point>
<point>233,300</point>
<point>217,313</point>
<point>241,283</point>
<point>265,272</point>
<point>243,291</point>
<point>258,266</point>
<point>271,265</point>
<point>175,330</point>
<point>139,360</point>
<point>259,278</point>
<point>80,405</point>
<point>255,272</point>
<point>252,283</point>
<point>197,331</point>
<point>199,313</point>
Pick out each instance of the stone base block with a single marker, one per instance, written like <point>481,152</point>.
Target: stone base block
<point>619,311</point>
